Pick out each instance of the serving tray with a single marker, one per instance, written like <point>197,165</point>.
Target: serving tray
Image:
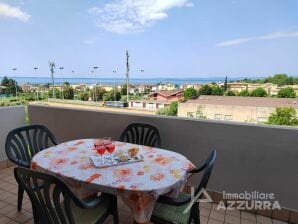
<point>116,162</point>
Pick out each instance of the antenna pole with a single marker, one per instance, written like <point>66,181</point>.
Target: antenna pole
<point>127,76</point>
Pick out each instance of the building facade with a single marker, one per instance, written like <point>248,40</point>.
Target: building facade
<point>234,108</point>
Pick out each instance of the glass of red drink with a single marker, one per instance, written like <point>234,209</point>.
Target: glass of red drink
<point>110,146</point>
<point>100,148</point>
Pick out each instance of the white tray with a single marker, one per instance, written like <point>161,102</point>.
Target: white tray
<point>98,163</point>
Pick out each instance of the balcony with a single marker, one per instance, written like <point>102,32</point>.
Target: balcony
<point>250,157</point>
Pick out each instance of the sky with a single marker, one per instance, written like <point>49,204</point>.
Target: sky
<point>165,38</point>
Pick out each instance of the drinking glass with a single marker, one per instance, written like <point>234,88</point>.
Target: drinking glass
<point>100,148</point>
<point>110,146</point>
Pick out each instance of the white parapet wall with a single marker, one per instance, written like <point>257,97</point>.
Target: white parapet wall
<point>250,157</point>
<point>10,118</point>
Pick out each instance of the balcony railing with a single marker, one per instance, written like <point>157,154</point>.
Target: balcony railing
<point>250,157</point>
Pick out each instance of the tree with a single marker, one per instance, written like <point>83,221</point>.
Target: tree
<point>280,79</point>
<point>170,110</point>
<point>190,93</point>
<point>205,90</point>
<point>244,93</point>
<point>225,87</point>
<point>283,116</point>
<point>84,95</point>
<point>230,93</point>
<point>123,90</point>
<point>54,93</point>
<point>52,70</point>
<point>68,92</point>
<point>288,92</point>
<point>99,93</point>
<point>112,95</point>
<point>10,86</point>
<point>258,92</point>
<point>217,91</point>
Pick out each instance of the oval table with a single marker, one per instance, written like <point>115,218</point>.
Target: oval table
<point>138,184</point>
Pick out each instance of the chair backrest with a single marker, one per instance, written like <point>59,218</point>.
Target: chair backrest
<point>24,142</point>
<point>50,197</point>
<point>207,168</point>
<point>142,134</point>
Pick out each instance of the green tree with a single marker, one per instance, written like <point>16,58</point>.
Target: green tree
<point>231,93</point>
<point>283,116</point>
<point>170,110</point>
<point>280,79</point>
<point>205,90</point>
<point>225,87</point>
<point>258,92</point>
<point>244,93</point>
<point>57,93</point>
<point>217,91</point>
<point>10,86</point>
<point>288,92</point>
<point>112,95</point>
<point>190,93</point>
<point>99,93</point>
<point>68,91</point>
<point>84,95</point>
<point>123,90</point>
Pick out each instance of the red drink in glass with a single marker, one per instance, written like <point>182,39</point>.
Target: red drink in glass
<point>101,149</point>
<point>111,148</point>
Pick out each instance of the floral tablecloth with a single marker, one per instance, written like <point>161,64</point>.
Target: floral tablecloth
<point>138,184</point>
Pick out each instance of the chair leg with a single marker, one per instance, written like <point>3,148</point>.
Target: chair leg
<point>195,214</point>
<point>20,197</point>
<point>115,211</point>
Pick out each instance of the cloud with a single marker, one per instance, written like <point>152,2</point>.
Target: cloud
<point>270,36</point>
<point>233,42</point>
<point>13,12</point>
<point>126,16</point>
<point>278,35</point>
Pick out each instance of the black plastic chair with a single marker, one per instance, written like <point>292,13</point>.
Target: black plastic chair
<point>23,143</point>
<point>174,210</point>
<point>141,134</point>
<point>55,203</point>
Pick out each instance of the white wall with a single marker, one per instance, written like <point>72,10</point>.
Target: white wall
<point>10,118</point>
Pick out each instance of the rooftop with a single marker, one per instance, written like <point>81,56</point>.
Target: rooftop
<point>167,93</point>
<point>246,101</point>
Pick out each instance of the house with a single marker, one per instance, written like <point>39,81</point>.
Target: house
<point>189,85</point>
<point>166,86</point>
<point>26,88</point>
<point>167,95</point>
<point>150,105</point>
<point>234,108</point>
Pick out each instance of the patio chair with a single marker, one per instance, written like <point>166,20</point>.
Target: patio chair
<point>180,210</point>
<point>55,203</point>
<point>23,143</point>
<point>141,134</point>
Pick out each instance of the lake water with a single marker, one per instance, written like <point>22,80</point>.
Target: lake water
<point>45,80</point>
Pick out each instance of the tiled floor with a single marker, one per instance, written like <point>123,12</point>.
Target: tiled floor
<point>209,213</point>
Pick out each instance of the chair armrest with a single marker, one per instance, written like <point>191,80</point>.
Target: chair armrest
<point>181,200</point>
<point>199,169</point>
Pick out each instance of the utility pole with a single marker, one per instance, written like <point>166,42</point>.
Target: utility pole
<point>127,75</point>
<point>95,94</point>
<point>61,68</point>
<point>15,82</point>
<point>52,67</point>
<point>37,97</point>
<point>114,71</point>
